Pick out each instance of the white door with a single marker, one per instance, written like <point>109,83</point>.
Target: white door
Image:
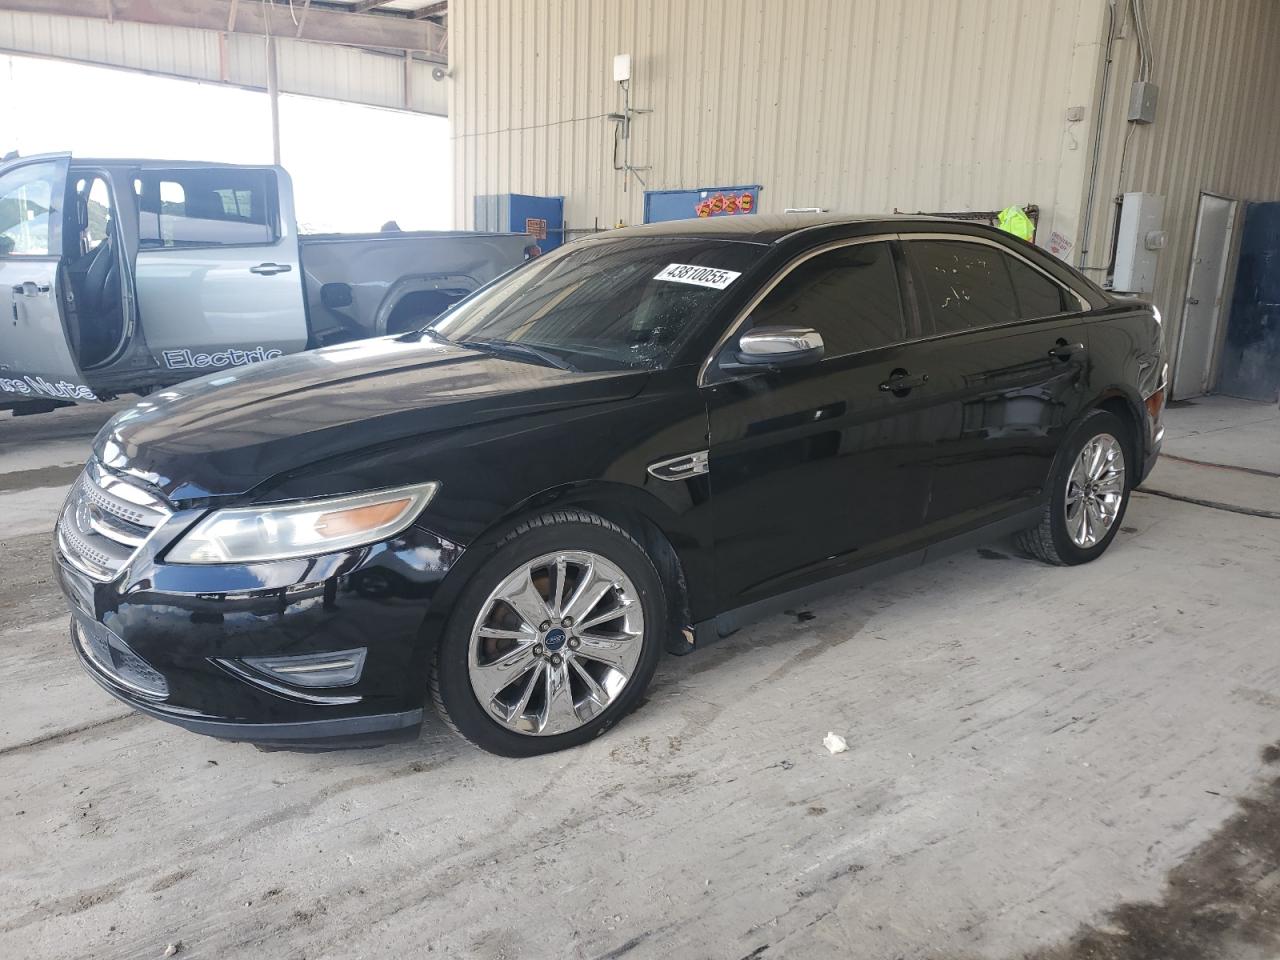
<point>37,358</point>
<point>1203,309</point>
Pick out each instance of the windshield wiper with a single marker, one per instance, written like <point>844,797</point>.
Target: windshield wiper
<point>519,349</point>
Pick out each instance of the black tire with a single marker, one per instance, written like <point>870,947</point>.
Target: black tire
<point>1049,540</point>
<point>449,680</point>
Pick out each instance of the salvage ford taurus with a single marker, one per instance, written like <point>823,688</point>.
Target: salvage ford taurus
<point>638,442</point>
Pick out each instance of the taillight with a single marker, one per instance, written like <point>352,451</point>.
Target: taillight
<point>1155,402</point>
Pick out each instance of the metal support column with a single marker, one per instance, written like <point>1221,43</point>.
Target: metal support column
<point>273,93</point>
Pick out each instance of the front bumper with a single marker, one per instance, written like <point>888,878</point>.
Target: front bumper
<point>185,644</point>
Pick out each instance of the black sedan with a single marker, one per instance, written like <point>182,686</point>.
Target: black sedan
<point>638,442</point>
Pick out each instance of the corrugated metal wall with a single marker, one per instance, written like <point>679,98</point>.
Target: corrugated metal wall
<point>1217,129</point>
<point>849,105</point>
<point>871,106</point>
<point>312,69</point>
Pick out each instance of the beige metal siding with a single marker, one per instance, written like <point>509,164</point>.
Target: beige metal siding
<point>1217,128</point>
<point>848,105</point>
<point>312,69</point>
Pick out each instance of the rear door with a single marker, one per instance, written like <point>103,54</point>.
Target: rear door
<point>218,273</point>
<point>820,469</point>
<point>37,360</point>
<point>1007,355</point>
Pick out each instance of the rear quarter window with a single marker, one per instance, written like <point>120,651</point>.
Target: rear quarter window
<point>1038,296</point>
<point>206,207</point>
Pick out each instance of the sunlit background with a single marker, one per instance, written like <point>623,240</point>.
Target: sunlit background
<point>353,167</point>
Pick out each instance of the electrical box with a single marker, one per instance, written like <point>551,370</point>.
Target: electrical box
<point>1142,102</point>
<point>540,217</point>
<point>622,68</point>
<point>1139,241</point>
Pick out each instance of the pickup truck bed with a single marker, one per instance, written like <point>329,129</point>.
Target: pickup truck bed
<point>370,284</point>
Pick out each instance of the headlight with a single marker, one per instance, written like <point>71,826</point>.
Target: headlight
<point>301,529</point>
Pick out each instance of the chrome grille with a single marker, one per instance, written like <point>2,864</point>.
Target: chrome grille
<point>105,520</point>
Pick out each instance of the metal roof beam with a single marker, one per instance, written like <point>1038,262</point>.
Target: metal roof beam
<point>430,10</point>
<point>322,25</point>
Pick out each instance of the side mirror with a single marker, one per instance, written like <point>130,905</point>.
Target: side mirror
<point>335,296</point>
<point>780,347</point>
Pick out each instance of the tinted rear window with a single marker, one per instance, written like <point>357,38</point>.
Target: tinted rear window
<point>966,285</point>
<point>1038,296</point>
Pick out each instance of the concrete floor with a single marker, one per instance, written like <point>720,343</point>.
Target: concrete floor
<point>1051,763</point>
<point>1222,451</point>
<point>1242,433</point>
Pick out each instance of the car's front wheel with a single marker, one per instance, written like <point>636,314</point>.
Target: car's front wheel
<point>1088,495</point>
<point>553,640</point>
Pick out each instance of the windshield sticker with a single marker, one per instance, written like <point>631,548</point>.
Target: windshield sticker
<point>698,276</point>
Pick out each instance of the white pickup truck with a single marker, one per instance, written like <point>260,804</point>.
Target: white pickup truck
<point>121,276</point>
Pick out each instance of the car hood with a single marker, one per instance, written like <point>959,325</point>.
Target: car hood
<point>227,433</point>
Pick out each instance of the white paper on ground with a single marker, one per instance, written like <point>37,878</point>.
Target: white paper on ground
<point>835,743</point>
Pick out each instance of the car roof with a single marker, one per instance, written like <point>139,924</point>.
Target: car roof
<point>151,162</point>
<point>766,228</point>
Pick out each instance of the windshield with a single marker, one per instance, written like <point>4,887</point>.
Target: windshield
<point>601,305</point>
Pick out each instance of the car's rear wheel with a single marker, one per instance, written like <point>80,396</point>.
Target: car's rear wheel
<point>1088,496</point>
<point>553,640</point>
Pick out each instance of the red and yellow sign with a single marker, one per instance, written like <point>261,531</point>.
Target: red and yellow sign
<point>725,205</point>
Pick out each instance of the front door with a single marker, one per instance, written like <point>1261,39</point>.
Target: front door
<point>37,360</point>
<point>1251,348</point>
<point>816,470</point>
<point>218,272</point>
<point>1214,227</point>
<point>1007,359</point>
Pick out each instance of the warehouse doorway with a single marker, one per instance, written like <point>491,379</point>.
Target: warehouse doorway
<point>1206,283</point>
<point>1251,347</point>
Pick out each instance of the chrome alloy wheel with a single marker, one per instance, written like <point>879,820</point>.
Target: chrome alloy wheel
<point>555,643</point>
<point>1095,490</point>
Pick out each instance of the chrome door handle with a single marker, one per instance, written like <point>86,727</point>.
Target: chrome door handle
<point>1065,351</point>
<point>29,288</point>
<point>271,269</point>
<point>900,382</point>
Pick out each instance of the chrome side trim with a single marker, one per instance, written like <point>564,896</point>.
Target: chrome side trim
<point>681,467</point>
<point>292,693</point>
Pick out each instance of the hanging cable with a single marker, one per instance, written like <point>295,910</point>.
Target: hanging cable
<point>1100,122</point>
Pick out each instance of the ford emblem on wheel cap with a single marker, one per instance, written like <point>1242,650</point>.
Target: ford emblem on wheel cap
<point>555,639</point>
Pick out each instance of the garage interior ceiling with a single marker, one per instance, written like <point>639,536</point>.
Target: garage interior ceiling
<point>375,52</point>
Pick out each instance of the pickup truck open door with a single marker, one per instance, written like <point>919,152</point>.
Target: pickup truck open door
<point>36,353</point>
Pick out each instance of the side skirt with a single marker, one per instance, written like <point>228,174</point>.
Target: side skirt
<point>721,625</point>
